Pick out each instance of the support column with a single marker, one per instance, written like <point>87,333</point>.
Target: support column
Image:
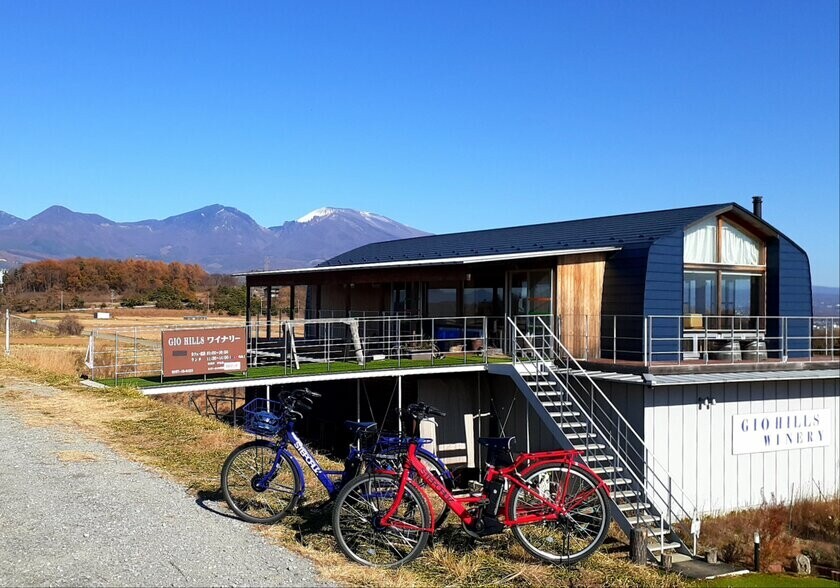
<point>399,404</point>
<point>248,309</point>
<point>268,312</point>
<point>292,302</point>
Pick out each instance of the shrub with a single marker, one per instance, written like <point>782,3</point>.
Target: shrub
<point>69,325</point>
<point>230,300</point>
<point>132,302</point>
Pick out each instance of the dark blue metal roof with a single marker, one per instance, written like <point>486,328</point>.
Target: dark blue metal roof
<point>608,231</point>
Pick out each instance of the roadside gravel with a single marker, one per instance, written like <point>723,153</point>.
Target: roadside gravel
<point>74,513</point>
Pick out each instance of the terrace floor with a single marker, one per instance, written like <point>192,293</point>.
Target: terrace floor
<point>306,370</point>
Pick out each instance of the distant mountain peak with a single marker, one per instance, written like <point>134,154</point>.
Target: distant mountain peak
<point>320,213</point>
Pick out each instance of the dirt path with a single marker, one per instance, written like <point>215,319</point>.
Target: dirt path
<point>73,512</point>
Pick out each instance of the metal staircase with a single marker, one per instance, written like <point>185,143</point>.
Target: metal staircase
<point>581,417</point>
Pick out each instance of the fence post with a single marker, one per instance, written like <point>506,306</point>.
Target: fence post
<point>615,338</point>
<point>8,330</point>
<point>116,355</point>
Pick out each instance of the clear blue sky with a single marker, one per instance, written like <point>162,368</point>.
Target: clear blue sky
<point>444,116</point>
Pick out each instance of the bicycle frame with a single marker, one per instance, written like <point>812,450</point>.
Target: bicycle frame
<point>326,477</point>
<point>510,473</point>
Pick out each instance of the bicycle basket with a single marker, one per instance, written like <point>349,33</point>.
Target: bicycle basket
<point>262,417</point>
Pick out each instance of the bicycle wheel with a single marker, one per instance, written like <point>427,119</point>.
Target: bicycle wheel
<point>245,489</point>
<point>357,513</point>
<point>573,537</point>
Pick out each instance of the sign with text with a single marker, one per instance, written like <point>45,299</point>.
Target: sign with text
<point>204,351</point>
<point>779,431</point>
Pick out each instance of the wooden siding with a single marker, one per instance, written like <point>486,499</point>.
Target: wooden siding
<point>663,294</point>
<point>789,293</point>
<point>580,283</point>
<point>333,297</point>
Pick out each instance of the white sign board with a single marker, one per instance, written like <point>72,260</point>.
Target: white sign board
<point>779,431</point>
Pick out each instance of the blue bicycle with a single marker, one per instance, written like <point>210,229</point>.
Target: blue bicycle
<point>262,481</point>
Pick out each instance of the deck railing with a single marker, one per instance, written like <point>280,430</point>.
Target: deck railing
<point>310,346</point>
<point>701,339</point>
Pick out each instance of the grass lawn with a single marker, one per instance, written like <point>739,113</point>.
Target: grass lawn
<point>306,369</point>
<point>768,581</point>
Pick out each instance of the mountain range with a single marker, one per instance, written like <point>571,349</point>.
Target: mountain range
<point>222,239</point>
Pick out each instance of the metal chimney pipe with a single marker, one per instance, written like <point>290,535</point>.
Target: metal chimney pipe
<point>757,200</point>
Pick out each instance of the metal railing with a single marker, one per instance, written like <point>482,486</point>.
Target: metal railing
<point>694,338</point>
<point>309,346</point>
<point>607,436</point>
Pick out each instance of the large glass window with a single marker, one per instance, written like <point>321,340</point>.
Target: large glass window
<point>700,293</point>
<point>736,247</point>
<point>442,302</point>
<point>739,295</point>
<point>486,301</point>
<point>700,243</point>
<point>530,292</point>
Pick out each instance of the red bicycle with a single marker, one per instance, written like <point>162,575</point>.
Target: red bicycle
<point>556,507</point>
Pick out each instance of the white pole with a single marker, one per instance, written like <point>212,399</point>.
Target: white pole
<point>399,403</point>
<point>8,328</point>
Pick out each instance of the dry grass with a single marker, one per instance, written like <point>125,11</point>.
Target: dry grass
<point>805,525</point>
<point>64,359</point>
<point>73,456</point>
<point>191,449</point>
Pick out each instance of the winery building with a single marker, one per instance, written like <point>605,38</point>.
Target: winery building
<point>676,348</point>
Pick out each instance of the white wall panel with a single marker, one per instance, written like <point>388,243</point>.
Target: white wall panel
<point>695,443</point>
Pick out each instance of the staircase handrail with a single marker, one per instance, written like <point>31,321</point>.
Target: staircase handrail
<point>604,437</point>
<point>627,425</point>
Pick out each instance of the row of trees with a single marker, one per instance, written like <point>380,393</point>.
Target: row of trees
<point>124,277</point>
<point>80,282</point>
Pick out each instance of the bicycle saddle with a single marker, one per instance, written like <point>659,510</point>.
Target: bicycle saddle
<point>498,450</point>
<point>497,443</point>
<point>357,427</point>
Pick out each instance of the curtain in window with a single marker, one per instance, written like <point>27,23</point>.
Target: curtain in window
<point>700,243</point>
<point>737,248</point>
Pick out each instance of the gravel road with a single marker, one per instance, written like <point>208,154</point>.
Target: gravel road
<point>72,512</point>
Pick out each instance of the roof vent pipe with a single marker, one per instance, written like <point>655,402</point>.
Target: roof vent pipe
<point>757,200</point>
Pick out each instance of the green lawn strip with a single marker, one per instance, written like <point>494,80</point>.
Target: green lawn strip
<point>767,580</point>
<point>306,369</point>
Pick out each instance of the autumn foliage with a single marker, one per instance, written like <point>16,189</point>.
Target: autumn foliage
<point>37,284</point>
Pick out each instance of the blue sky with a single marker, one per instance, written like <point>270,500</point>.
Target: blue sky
<point>444,116</point>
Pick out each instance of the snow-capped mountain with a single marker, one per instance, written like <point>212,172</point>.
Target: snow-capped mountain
<point>220,238</point>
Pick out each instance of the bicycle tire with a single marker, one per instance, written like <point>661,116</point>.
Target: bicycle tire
<point>575,537</point>
<point>243,467</point>
<point>356,513</point>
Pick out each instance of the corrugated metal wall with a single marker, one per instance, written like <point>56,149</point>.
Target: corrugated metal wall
<point>694,442</point>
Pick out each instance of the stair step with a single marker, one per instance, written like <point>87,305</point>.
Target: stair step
<point>662,546</point>
<point>597,457</point>
<point>563,402</point>
<point>656,533</point>
<point>619,494</point>
<point>618,481</point>
<point>571,425</point>
<point>589,446</point>
<point>607,470</point>
<point>557,414</point>
<point>644,519</point>
<point>632,506</point>
<point>580,435</point>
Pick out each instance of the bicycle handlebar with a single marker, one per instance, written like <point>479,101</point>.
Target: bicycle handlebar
<point>421,411</point>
